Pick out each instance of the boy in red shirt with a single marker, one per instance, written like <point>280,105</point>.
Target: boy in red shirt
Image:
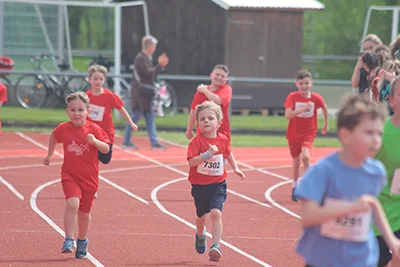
<point>220,93</point>
<point>301,110</point>
<point>102,102</point>
<point>82,140</point>
<point>3,97</point>
<point>206,155</point>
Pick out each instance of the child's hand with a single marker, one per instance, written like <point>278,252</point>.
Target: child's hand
<point>213,149</point>
<point>134,127</point>
<point>240,173</point>
<point>189,135</point>
<point>308,105</point>
<point>201,88</point>
<point>395,247</point>
<point>91,139</point>
<point>364,203</point>
<point>46,160</point>
<point>325,129</point>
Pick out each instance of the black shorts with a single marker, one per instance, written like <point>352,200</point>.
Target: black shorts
<point>385,256</point>
<point>106,158</point>
<point>208,197</point>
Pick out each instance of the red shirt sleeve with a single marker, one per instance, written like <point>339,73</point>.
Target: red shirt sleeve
<point>197,100</point>
<point>3,93</point>
<point>193,149</point>
<point>225,94</point>
<point>100,134</point>
<point>58,133</point>
<point>289,103</point>
<point>321,101</point>
<point>117,101</point>
<point>228,149</point>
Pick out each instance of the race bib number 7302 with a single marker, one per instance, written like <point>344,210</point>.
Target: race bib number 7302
<point>213,167</point>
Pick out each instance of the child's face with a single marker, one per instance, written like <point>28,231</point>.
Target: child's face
<point>394,100</point>
<point>219,77</point>
<point>366,138</point>
<point>77,112</point>
<point>97,80</point>
<point>304,85</point>
<point>208,122</point>
<point>368,46</point>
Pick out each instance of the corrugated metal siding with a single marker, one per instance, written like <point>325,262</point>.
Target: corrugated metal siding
<point>263,4</point>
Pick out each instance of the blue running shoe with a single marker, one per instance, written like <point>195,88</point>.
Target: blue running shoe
<point>215,253</point>
<point>201,244</point>
<point>68,246</point>
<point>294,197</point>
<point>81,248</point>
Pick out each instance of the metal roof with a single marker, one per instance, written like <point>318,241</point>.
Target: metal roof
<point>270,4</point>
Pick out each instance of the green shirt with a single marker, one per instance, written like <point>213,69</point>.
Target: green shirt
<point>389,155</point>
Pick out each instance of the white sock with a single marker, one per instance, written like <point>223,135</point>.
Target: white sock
<point>294,184</point>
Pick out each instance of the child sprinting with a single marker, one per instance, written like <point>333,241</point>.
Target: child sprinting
<point>220,93</point>
<point>82,140</point>
<point>3,98</point>
<point>206,155</point>
<point>389,155</point>
<point>338,194</point>
<point>102,102</point>
<point>301,109</point>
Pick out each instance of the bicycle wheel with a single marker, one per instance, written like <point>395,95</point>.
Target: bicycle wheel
<point>31,92</point>
<point>76,84</point>
<point>169,100</point>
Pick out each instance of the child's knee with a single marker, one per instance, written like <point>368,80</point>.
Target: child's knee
<point>305,156</point>
<point>215,214</point>
<point>72,204</point>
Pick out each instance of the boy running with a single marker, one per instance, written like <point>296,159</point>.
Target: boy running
<point>218,92</point>
<point>3,98</point>
<point>301,109</point>
<point>82,141</point>
<point>206,155</point>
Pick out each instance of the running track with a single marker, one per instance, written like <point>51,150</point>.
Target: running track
<point>144,214</point>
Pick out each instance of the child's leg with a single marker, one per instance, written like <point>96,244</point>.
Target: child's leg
<point>295,170</point>
<point>71,210</point>
<point>84,220</point>
<point>200,225</point>
<point>305,157</point>
<point>216,225</point>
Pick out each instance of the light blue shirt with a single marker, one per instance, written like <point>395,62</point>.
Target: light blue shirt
<point>332,178</point>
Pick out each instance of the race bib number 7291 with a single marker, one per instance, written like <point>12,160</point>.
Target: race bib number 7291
<point>213,167</point>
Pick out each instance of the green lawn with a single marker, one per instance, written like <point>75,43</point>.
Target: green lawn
<point>17,114</point>
<point>238,140</point>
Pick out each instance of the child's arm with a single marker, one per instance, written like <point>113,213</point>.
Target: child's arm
<point>210,95</point>
<point>325,128</point>
<point>290,113</point>
<point>231,160</point>
<point>100,145</point>
<point>126,116</point>
<point>50,150</point>
<point>313,214</point>
<point>189,128</point>
<point>1,104</point>
<point>195,161</point>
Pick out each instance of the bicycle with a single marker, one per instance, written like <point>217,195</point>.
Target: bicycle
<point>165,101</point>
<point>40,90</point>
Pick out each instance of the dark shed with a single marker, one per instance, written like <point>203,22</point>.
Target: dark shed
<point>255,38</point>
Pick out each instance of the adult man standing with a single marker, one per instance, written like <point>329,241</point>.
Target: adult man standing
<point>143,91</point>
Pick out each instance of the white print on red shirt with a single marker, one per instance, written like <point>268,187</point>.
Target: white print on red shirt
<point>78,149</point>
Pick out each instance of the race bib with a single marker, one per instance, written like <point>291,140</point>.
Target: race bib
<point>353,227</point>
<point>212,167</point>
<point>306,114</point>
<point>395,188</point>
<point>97,112</point>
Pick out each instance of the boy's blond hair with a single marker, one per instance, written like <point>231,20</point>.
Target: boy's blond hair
<point>355,107</point>
<point>211,106</point>
<point>97,68</point>
<point>78,95</point>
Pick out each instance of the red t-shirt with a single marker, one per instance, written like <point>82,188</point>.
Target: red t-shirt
<point>211,171</point>
<point>225,94</point>
<point>306,123</point>
<point>3,93</point>
<point>102,106</point>
<point>80,158</point>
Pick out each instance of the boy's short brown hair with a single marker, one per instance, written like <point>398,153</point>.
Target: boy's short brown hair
<point>211,106</point>
<point>301,74</point>
<point>78,95</point>
<point>355,107</point>
<point>97,68</point>
<point>222,67</point>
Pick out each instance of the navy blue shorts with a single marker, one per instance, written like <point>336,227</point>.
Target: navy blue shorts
<point>385,256</point>
<point>106,158</point>
<point>208,197</point>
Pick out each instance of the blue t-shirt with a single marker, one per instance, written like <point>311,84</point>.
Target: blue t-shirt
<point>331,178</point>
